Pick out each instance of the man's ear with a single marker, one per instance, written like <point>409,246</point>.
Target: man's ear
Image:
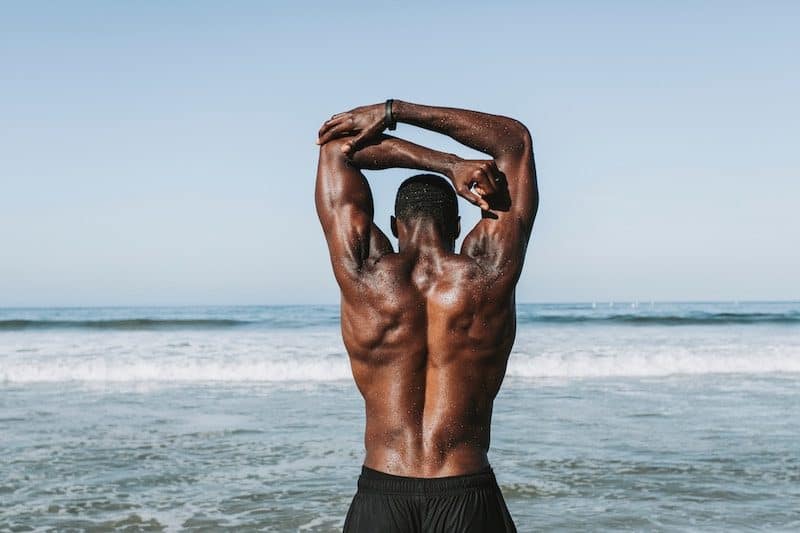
<point>393,224</point>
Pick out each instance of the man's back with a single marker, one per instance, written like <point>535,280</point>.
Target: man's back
<point>428,339</point>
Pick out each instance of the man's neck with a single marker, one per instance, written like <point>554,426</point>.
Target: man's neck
<point>423,238</point>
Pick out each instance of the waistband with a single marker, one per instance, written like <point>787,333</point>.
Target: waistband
<point>373,480</point>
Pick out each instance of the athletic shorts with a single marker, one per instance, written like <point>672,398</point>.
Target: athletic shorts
<point>385,503</point>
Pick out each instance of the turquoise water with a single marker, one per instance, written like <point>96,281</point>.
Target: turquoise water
<point>666,417</point>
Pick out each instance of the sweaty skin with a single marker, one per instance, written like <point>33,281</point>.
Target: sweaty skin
<point>428,330</point>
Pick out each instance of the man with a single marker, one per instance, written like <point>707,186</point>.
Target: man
<point>428,330</point>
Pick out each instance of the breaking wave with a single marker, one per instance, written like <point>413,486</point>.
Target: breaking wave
<point>524,316</point>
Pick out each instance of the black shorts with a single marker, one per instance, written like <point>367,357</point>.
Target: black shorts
<point>386,503</point>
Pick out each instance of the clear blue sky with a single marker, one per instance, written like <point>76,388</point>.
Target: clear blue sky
<point>163,152</point>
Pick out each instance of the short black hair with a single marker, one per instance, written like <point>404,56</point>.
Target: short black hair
<point>427,196</point>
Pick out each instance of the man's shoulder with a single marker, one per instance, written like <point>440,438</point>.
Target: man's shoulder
<point>458,268</point>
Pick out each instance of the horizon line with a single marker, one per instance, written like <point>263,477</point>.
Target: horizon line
<point>565,302</point>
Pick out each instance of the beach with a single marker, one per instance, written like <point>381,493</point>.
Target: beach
<point>613,416</point>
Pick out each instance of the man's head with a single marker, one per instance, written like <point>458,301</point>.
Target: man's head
<point>430,198</point>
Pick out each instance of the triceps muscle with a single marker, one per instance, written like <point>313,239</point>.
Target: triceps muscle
<point>499,240</point>
<point>345,209</point>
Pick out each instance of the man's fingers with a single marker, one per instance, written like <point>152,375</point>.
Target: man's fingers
<point>474,198</point>
<point>333,127</point>
<point>362,138</point>
<point>328,136</point>
<point>328,124</point>
<point>480,202</point>
<point>339,130</point>
<point>482,179</point>
<point>353,144</point>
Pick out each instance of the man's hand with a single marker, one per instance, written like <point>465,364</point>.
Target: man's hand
<point>475,180</point>
<point>363,123</point>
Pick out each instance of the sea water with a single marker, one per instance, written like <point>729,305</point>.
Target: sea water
<point>613,416</point>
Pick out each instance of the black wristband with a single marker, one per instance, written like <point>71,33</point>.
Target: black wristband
<point>388,117</point>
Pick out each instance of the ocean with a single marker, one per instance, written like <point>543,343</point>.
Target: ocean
<point>613,417</point>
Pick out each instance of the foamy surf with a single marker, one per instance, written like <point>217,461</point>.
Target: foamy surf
<point>303,344</point>
<point>336,368</point>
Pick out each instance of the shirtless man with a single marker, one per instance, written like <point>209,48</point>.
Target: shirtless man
<point>428,330</point>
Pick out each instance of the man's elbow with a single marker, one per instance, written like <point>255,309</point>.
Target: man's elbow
<point>520,133</point>
<point>516,140</point>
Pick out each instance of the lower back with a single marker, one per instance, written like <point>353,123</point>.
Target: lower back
<point>429,421</point>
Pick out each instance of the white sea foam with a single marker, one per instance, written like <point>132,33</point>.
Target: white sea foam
<point>658,364</point>
<point>100,370</point>
<point>313,368</point>
<point>246,370</point>
<point>168,356</point>
<point>314,356</point>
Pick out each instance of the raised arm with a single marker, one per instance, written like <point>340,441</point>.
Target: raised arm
<point>391,152</point>
<point>501,137</point>
<point>505,139</point>
<point>345,209</point>
<point>499,240</point>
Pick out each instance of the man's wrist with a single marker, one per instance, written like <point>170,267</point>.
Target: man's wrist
<point>448,165</point>
<point>399,110</point>
<point>389,119</point>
